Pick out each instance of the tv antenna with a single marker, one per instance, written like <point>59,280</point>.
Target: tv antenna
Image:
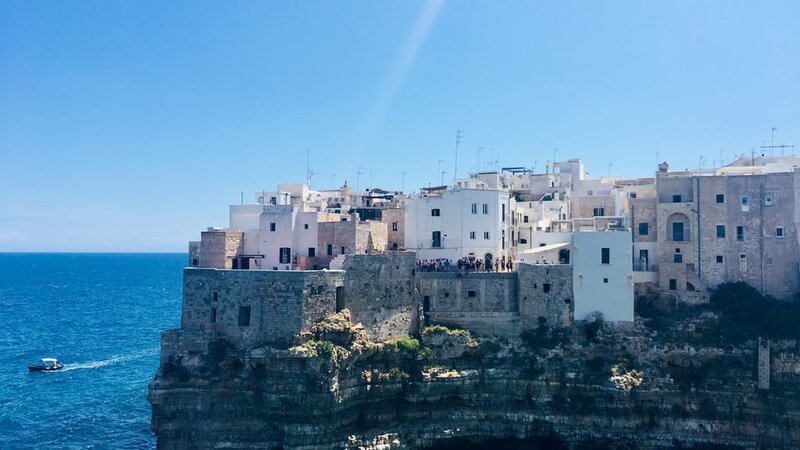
<point>458,141</point>
<point>309,173</point>
<point>772,145</point>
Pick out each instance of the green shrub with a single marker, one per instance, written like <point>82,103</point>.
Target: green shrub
<point>408,344</point>
<point>747,314</point>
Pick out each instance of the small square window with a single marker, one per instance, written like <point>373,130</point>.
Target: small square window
<point>678,258</point>
<point>471,294</point>
<point>486,235</point>
<point>446,294</point>
<point>720,198</point>
<point>719,258</point>
<point>676,198</point>
<point>605,280</point>
<point>779,232</point>
<point>598,212</point>
<point>435,212</point>
<point>632,195</point>
<point>768,200</point>
<point>472,235</point>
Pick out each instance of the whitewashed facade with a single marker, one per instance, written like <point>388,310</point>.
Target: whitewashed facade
<point>467,220</point>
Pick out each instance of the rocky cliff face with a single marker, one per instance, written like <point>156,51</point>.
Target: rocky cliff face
<point>589,386</point>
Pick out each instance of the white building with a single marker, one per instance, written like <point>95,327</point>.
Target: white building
<point>602,274</point>
<point>468,219</point>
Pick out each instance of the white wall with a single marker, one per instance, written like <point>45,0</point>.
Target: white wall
<point>614,299</point>
<point>456,221</point>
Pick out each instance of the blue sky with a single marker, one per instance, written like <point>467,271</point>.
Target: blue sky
<point>130,126</point>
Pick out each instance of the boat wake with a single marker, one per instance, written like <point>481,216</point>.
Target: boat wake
<point>110,361</point>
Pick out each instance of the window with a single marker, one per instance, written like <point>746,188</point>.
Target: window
<point>305,226</point>
<point>678,258</point>
<point>215,296</point>
<point>589,193</point>
<point>605,255</point>
<point>244,316</point>
<point>769,262</point>
<point>312,252</point>
<point>446,295</point>
<point>768,200</point>
<point>329,250</point>
<point>273,200</point>
<point>342,250</point>
<point>426,303</point>
<point>719,259</point>
<point>486,235</point>
<point>486,208</point>
<point>673,284</point>
<point>745,204</point>
<point>284,254</point>
<point>523,241</point>
<point>632,195</point>
<point>677,231</point>
<point>272,226</point>
<point>213,318</point>
<point>195,262</point>
<point>394,226</point>
<point>676,198</point>
<point>720,198</point>
<point>643,228</point>
<point>436,239</point>
<point>598,212</point>
<point>474,208</point>
<point>394,245</point>
<point>471,294</point>
<point>720,231</point>
<point>503,214</point>
<point>743,262</point>
<point>525,219</point>
<point>435,212</point>
<point>546,287</point>
<point>740,233</point>
<point>472,235</point>
<point>605,280</point>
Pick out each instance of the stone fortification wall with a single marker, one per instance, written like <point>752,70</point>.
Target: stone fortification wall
<point>219,247</point>
<point>252,307</point>
<point>194,254</point>
<point>380,291</point>
<point>485,303</point>
<point>545,290</point>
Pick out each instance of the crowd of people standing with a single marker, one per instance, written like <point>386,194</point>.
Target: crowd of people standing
<point>466,264</point>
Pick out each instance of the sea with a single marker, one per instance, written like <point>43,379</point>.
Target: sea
<point>100,314</point>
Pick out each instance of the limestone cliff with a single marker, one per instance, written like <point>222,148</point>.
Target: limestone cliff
<point>589,386</point>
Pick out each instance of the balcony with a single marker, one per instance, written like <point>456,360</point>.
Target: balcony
<point>645,267</point>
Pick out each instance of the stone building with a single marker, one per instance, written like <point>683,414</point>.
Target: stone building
<point>736,223</point>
